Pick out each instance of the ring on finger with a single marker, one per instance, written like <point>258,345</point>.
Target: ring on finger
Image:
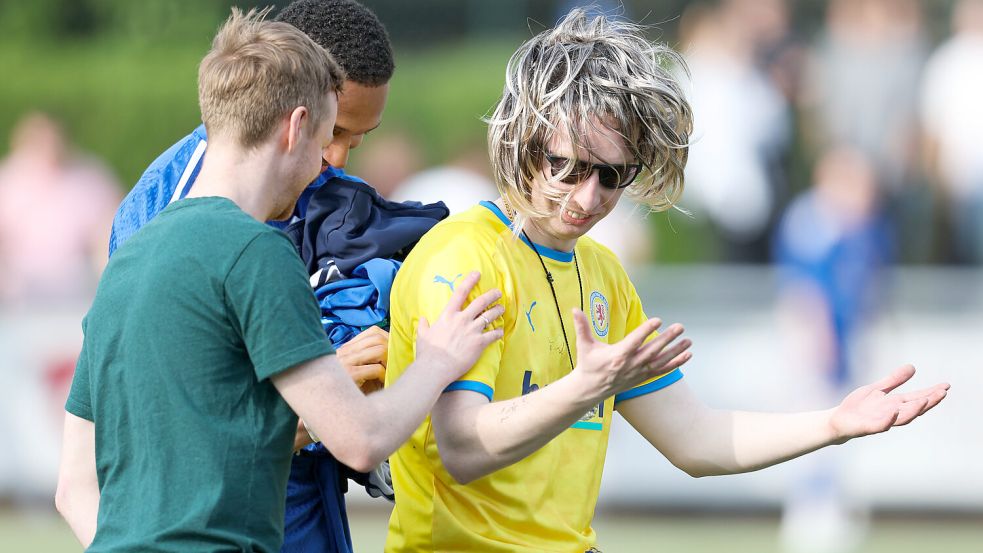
<point>484,320</point>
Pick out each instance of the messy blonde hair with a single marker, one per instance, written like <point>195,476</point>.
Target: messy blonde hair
<point>582,73</point>
<point>258,71</point>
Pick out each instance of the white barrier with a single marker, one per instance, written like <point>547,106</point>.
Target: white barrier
<point>932,318</point>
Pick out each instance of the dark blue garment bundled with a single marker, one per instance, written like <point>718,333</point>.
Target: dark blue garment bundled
<point>348,240</point>
<point>348,222</point>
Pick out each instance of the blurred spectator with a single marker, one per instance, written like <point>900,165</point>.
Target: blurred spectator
<point>56,207</point>
<point>952,118</point>
<point>742,129</point>
<point>460,183</point>
<point>387,160</point>
<point>626,233</point>
<point>776,51</point>
<point>862,83</point>
<point>831,246</point>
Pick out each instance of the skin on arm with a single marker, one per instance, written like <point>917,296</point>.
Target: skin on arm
<point>476,437</point>
<point>361,431</point>
<point>703,442</point>
<point>77,496</point>
<point>364,358</point>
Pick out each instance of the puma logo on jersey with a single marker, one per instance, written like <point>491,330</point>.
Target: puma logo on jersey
<point>529,317</point>
<point>450,283</point>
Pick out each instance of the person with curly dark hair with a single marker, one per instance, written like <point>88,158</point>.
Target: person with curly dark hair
<point>316,518</point>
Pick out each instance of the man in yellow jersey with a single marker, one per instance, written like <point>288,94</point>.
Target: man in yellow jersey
<point>511,458</point>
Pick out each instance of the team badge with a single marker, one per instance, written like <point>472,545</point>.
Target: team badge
<point>599,313</point>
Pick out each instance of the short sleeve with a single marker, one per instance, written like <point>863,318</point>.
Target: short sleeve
<point>79,401</point>
<point>636,316</point>
<point>273,306</point>
<point>430,277</point>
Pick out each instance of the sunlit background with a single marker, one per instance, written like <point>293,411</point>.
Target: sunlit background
<point>831,229</point>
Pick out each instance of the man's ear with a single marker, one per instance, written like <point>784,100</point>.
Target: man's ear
<point>299,119</point>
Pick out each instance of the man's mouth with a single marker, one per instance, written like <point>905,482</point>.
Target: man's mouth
<point>574,217</point>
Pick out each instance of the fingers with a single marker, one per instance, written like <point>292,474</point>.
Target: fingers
<point>461,291</point>
<point>909,411</point>
<point>422,327</point>
<point>634,340</point>
<point>900,375</point>
<point>581,329</point>
<point>481,304</point>
<point>934,398</point>
<point>924,392</point>
<point>661,361</point>
<point>363,354</point>
<point>490,337</point>
<point>362,373</point>
<point>373,334</point>
<point>674,363</point>
<point>490,316</point>
<point>650,350</point>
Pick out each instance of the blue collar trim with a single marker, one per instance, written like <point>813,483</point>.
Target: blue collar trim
<point>556,255</point>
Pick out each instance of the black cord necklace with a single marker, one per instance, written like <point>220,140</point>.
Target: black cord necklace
<point>556,302</point>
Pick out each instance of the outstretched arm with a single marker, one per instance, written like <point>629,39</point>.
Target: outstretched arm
<point>361,431</point>
<point>476,437</point>
<point>77,497</point>
<point>364,358</point>
<point>703,441</point>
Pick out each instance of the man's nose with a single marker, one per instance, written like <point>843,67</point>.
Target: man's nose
<point>337,154</point>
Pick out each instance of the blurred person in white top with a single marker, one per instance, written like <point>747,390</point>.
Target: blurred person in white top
<point>952,120</point>
<point>741,132</point>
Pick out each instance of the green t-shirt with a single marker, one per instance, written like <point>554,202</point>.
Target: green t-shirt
<point>190,320</point>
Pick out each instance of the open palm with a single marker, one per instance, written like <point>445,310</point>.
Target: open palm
<point>873,408</point>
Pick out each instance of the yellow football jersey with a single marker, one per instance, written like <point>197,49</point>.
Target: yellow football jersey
<point>546,501</point>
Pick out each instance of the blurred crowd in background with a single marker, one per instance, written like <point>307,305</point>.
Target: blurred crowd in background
<point>832,140</point>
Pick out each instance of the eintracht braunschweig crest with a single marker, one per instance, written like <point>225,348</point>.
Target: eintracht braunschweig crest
<point>599,313</point>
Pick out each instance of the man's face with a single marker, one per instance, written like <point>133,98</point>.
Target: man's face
<point>307,163</point>
<point>359,111</point>
<point>589,201</point>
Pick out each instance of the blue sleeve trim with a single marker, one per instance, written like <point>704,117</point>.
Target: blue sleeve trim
<point>471,386</point>
<point>670,378</point>
<point>498,212</point>
<point>558,255</point>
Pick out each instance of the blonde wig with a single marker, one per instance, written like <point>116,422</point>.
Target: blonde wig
<point>590,71</point>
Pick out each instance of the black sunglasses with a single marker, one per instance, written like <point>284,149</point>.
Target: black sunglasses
<point>612,177</point>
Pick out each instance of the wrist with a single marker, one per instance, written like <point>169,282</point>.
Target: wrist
<point>834,435</point>
<point>583,391</point>
<point>431,371</point>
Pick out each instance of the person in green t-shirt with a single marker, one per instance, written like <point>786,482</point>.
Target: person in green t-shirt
<point>204,338</point>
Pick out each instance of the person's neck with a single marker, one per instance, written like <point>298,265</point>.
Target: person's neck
<point>244,177</point>
<point>534,232</point>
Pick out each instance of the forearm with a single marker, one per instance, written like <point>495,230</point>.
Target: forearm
<point>359,430</point>
<point>704,442</point>
<point>77,494</point>
<point>730,442</point>
<point>79,506</point>
<point>478,439</point>
<point>397,411</point>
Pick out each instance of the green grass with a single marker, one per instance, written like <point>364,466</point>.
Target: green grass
<point>45,533</point>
